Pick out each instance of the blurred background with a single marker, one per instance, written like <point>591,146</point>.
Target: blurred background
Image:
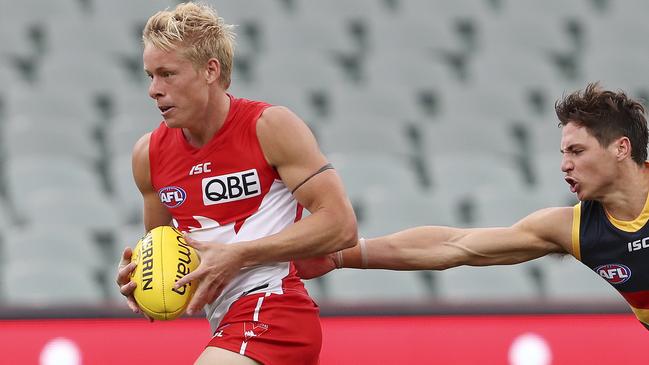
<point>432,111</point>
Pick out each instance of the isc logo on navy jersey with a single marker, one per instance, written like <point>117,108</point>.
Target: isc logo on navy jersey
<point>231,187</point>
<point>614,273</point>
<point>172,196</point>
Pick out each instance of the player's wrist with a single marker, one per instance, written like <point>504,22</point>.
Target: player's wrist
<point>338,259</point>
<point>244,254</point>
<point>354,257</point>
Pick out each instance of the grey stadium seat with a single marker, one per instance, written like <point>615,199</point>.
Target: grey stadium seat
<point>483,136</point>
<point>489,284</point>
<point>401,209</point>
<point>50,284</point>
<point>125,193</point>
<point>62,176</point>
<point>305,35</point>
<point>47,102</point>
<point>85,209</point>
<point>369,174</point>
<point>64,244</point>
<point>373,136</point>
<point>30,137</point>
<point>350,102</point>
<point>497,207</point>
<point>306,71</point>
<point>357,286</point>
<point>460,176</point>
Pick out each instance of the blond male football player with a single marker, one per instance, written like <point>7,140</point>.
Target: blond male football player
<point>234,175</point>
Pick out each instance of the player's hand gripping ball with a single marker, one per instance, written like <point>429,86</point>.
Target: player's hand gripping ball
<point>163,257</point>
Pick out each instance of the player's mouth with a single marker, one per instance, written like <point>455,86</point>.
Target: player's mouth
<point>574,185</point>
<point>165,110</point>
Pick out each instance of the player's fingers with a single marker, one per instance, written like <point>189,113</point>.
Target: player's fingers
<point>147,317</point>
<point>199,299</point>
<point>132,304</point>
<point>214,293</point>
<point>127,254</point>
<point>124,273</point>
<point>196,274</point>
<point>193,243</point>
<point>128,288</point>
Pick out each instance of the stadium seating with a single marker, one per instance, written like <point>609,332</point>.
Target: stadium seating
<point>62,177</point>
<point>365,174</point>
<point>64,245</point>
<point>366,136</point>
<point>50,285</point>
<point>355,287</point>
<point>491,284</point>
<point>389,212</point>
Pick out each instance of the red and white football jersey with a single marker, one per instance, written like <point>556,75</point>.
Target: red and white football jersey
<point>226,192</point>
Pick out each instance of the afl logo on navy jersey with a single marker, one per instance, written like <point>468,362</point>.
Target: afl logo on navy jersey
<point>614,273</point>
<point>172,196</point>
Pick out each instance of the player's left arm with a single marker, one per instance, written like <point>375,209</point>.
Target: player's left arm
<point>290,147</point>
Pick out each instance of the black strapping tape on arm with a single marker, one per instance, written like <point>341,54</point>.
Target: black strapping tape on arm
<point>322,169</point>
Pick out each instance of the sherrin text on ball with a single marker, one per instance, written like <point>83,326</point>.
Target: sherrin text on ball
<point>163,257</point>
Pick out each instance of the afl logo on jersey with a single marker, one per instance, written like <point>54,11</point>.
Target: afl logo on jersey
<point>172,196</point>
<point>614,273</point>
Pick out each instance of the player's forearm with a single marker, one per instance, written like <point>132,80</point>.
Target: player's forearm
<point>320,233</point>
<point>419,248</point>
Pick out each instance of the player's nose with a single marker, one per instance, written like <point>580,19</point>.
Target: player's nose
<point>155,91</point>
<point>566,164</point>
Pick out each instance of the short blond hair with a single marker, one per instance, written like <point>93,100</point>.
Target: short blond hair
<point>196,28</point>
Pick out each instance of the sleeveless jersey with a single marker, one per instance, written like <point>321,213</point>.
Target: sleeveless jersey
<point>226,192</point>
<point>616,250</point>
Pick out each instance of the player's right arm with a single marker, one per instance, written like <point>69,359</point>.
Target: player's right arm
<point>438,248</point>
<point>155,214</point>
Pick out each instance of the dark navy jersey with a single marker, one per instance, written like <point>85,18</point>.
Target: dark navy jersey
<point>616,250</point>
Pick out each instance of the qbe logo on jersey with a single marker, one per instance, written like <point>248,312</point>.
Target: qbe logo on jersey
<point>231,187</point>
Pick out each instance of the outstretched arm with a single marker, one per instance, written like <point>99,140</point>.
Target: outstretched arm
<point>438,248</point>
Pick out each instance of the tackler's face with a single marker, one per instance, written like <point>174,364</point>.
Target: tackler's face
<point>590,168</point>
<point>179,90</point>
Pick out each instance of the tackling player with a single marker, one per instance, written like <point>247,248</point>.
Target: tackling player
<point>604,147</point>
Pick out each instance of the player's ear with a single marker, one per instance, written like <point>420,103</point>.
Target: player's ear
<point>212,70</point>
<point>623,145</point>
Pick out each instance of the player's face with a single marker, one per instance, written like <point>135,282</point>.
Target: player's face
<point>180,91</point>
<point>590,168</point>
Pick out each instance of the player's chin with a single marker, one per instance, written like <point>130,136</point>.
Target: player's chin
<point>172,123</point>
<point>583,195</point>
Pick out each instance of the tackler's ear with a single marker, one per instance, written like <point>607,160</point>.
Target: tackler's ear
<point>623,145</point>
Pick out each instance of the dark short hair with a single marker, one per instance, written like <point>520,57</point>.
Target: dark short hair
<point>607,115</point>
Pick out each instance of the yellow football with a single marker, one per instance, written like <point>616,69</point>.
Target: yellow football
<point>163,257</point>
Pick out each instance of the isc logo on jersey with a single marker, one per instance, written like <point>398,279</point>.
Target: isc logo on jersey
<point>172,196</point>
<point>231,187</point>
<point>614,273</point>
